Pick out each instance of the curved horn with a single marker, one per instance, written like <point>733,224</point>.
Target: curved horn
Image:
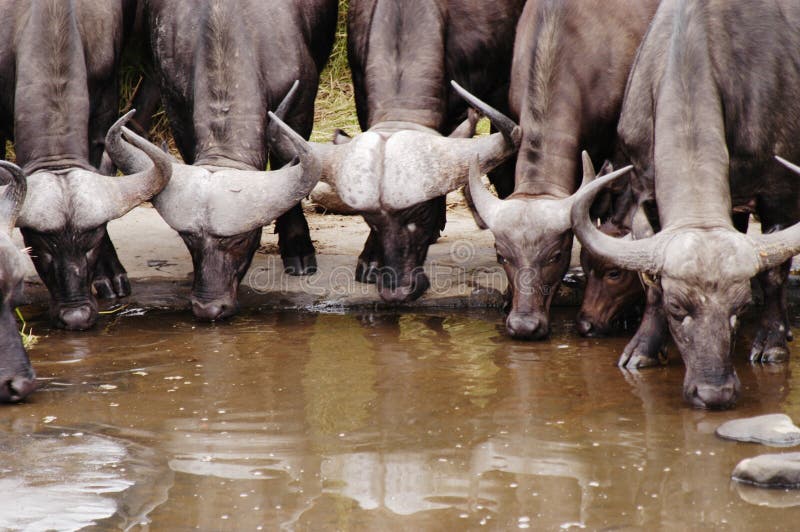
<point>486,203</point>
<point>115,196</point>
<point>588,169</point>
<point>278,141</point>
<point>126,157</point>
<point>14,195</point>
<point>638,255</point>
<point>309,161</point>
<point>510,130</point>
<point>774,249</point>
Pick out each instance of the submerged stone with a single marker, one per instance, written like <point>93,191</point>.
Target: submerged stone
<point>776,430</point>
<point>770,470</point>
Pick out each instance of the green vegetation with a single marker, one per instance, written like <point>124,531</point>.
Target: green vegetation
<point>28,338</point>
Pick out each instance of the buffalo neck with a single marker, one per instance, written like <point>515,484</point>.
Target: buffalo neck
<point>690,153</point>
<point>51,112</point>
<point>229,104</point>
<point>405,68</point>
<point>547,163</point>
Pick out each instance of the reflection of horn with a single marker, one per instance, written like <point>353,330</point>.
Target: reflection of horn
<point>637,255</point>
<point>486,203</point>
<point>14,195</point>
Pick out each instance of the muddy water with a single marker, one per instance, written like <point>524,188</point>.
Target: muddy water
<point>370,422</point>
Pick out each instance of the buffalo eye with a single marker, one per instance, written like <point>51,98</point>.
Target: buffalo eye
<point>614,275</point>
<point>556,257</point>
<point>501,259</point>
<point>676,310</point>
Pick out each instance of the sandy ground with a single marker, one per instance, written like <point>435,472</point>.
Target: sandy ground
<point>461,265</point>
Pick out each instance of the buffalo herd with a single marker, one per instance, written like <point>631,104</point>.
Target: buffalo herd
<point>691,106</point>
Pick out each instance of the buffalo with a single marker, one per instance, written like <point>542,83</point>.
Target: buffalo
<point>17,378</point>
<point>705,111</point>
<point>396,171</point>
<point>58,96</point>
<point>571,63</point>
<point>217,87</point>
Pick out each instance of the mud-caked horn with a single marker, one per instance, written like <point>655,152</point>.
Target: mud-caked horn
<point>13,197</point>
<point>637,255</point>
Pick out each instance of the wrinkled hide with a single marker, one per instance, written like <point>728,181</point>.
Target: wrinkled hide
<point>714,145</point>
<point>565,54</point>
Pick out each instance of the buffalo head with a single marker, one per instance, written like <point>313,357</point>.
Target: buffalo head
<point>17,378</point>
<point>63,221</point>
<point>219,213</point>
<point>610,293</point>
<point>533,239</point>
<point>704,275</point>
<point>393,175</point>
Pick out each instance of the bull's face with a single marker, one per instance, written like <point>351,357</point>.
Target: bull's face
<point>66,263</point>
<point>404,238</point>
<point>706,285</point>
<point>17,378</point>
<point>610,293</point>
<point>220,263</point>
<point>534,243</point>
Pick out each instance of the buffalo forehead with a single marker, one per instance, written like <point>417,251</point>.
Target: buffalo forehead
<point>183,204</point>
<point>716,256</point>
<point>414,164</point>
<point>530,222</point>
<point>48,205</point>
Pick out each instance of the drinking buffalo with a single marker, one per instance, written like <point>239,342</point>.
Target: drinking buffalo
<point>612,294</point>
<point>402,55</point>
<point>17,378</point>
<point>705,110</point>
<point>222,65</point>
<point>58,95</point>
<point>571,62</point>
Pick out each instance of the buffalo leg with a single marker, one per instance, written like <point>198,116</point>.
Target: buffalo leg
<point>770,343</point>
<point>110,277</point>
<point>648,345</point>
<point>294,242</point>
<point>371,259</point>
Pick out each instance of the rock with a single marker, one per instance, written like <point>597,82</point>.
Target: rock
<point>770,470</point>
<point>776,430</point>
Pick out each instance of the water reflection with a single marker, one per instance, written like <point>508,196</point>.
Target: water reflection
<point>374,421</point>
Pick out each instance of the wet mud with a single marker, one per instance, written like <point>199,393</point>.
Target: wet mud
<point>422,421</point>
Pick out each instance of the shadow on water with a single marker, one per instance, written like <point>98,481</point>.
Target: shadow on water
<point>374,421</point>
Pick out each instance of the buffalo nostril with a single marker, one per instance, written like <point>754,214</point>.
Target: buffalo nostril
<point>584,327</point>
<point>17,388</point>
<point>76,318</point>
<point>526,327</point>
<point>207,311</point>
<point>714,397</point>
<point>213,310</point>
